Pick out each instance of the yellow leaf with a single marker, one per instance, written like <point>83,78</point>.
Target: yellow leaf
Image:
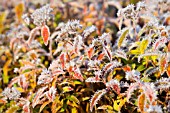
<point>67,89</point>
<point>5,71</point>
<point>105,107</point>
<point>135,52</point>
<point>12,109</point>
<point>43,105</point>
<point>2,20</point>
<point>74,110</point>
<point>117,106</point>
<point>143,45</point>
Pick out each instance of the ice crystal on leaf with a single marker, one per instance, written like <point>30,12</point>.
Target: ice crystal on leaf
<point>45,77</point>
<point>89,30</point>
<point>96,97</point>
<point>51,93</point>
<point>114,85</point>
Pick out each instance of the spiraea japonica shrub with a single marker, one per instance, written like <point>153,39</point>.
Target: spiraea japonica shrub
<point>74,68</point>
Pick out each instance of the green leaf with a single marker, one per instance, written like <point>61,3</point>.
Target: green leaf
<point>5,71</point>
<point>74,99</point>
<point>122,37</point>
<point>141,68</point>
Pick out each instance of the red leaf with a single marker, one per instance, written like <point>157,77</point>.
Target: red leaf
<point>108,53</point>
<point>90,52</point>
<point>126,68</point>
<point>45,33</point>
<point>101,56</point>
<point>62,60</point>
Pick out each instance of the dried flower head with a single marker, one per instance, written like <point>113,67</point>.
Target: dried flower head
<point>132,75</point>
<point>127,12</point>
<point>11,93</point>
<point>154,109</point>
<point>41,15</point>
<point>141,5</point>
<point>26,19</point>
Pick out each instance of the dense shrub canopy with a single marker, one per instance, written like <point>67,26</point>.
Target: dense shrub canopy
<point>85,56</point>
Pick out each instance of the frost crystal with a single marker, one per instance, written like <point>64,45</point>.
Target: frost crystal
<point>45,77</point>
<point>40,16</point>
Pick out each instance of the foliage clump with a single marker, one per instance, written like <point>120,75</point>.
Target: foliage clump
<point>115,64</point>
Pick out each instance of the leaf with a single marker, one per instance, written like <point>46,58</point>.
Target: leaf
<point>108,52</point>
<point>12,109</point>
<point>62,60</point>
<point>144,45</point>
<point>96,97</point>
<point>135,52</point>
<point>121,102</point>
<point>132,87</point>
<point>5,71</point>
<point>45,33</point>
<point>122,37</point>
<point>141,102</point>
<point>2,20</point>
<point>85,98</point>
<point>74,99</point>
<point>37,97</point>
<point>43,105</point>
<point>162,63</point>
<point>74,110</point>
<point>90,52</point>
<point>101,56</point>
<point>56,105</point>
<point>105,107</point>
<point>19,9</point>
<point>141,68</point>
<point>168,70</point>
<point>67,89</point>
<point>120,53</point>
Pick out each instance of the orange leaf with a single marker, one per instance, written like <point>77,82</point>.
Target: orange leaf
<point>45,33</point>
<point>101,56</point>
<point>168,70</point>
<point>141,102</point>
<point>90,52</point>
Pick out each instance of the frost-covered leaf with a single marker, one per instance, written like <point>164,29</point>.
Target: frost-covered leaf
<point>96,97</point>
<point>122,37</point>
